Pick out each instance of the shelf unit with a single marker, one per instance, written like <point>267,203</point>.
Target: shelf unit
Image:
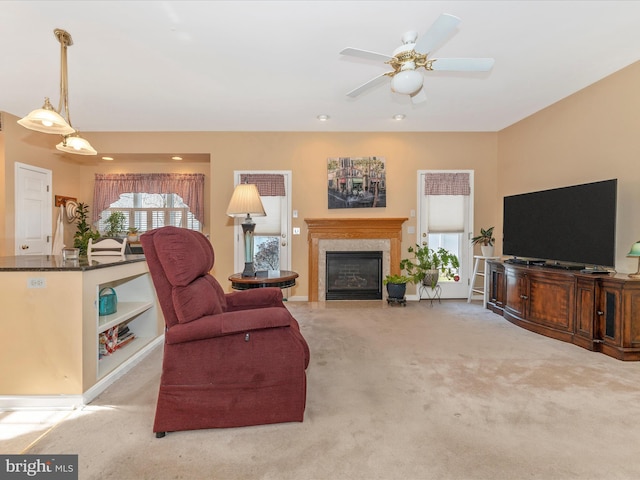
<point>136,308</point>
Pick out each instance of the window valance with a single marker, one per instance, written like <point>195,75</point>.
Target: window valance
<point>109,186</point>
<point>444,183</point>
<point>269,184</point>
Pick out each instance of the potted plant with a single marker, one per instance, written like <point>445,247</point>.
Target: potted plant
<point>485,240</point>
<point>84,231</point>
<point>132,233</point>
<point>396,286</point>
<point>426,265</point>
<point>115,224</point>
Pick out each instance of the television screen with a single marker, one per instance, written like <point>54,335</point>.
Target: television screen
<point>575,224</point>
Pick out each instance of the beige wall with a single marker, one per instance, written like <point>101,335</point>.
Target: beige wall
<point>589,136</point>
<point>305,154</point>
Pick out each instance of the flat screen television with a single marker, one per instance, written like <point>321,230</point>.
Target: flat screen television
<point>575,225</point>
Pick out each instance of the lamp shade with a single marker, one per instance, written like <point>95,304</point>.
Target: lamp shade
<point>245,201</point>
<point>76,144</point>
<point>46,120</point>
<point>635,250</point>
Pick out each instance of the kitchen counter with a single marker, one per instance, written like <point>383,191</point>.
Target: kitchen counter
<point>45,263</point>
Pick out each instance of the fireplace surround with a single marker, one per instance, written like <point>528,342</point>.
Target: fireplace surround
<point>351,234</point>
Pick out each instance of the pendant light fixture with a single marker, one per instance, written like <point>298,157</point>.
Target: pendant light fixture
<point>49,120</point>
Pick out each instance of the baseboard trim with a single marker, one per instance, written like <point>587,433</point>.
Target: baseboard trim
<point>106,381</point>
<point>298,298</point>
<point>40,402</point>
<point>70,402</point>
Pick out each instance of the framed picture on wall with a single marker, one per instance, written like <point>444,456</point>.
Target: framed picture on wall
<point>356,182</point>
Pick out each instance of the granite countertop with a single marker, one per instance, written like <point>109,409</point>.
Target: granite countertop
<point>45,263</point>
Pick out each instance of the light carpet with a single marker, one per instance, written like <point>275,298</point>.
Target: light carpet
<point>449,391</point>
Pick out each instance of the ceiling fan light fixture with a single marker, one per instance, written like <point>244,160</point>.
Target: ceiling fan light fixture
<point>46,120</point>
<point>406,82</point>
<point>74,143</point>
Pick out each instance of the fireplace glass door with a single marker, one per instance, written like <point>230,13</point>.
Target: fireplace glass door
<point>354,276</point>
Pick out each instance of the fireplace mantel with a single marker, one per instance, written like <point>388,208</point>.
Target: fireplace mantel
<point>349,229</point>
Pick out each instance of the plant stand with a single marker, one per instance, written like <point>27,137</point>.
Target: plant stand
<point>397,301</point>
<point>431,293</point>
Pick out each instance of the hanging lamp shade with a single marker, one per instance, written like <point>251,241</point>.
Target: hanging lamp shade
<point>49,120</point>
<point>46,120</point>
<point>74,143</point>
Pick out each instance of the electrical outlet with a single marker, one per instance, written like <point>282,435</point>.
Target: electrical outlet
<point>38,282</point>
<point>296,230</point>
<point>295,214</point>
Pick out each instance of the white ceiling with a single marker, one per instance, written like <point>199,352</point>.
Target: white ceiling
<point>275,66</point>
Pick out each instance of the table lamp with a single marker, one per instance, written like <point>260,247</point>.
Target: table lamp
<point>246,201</point>
<point>635,252</point>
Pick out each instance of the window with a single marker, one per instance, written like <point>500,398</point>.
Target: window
<point>150,200</point>
<point>146,211</point>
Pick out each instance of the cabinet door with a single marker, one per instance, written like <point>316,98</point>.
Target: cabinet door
<point>517,293</point>
<point>631,317</point>
<point>618,312</point>
<point>586,320</point>
<point>496,286</point>
<point>551,289</point>
<point>609,316</point>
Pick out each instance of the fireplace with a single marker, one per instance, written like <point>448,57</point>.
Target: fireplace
<point>353,275</point>
<point>351,234</point>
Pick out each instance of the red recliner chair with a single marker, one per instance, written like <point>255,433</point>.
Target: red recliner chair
<point>230,359</point>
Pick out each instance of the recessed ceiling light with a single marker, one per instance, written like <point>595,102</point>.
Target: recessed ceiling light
<point>176,158</point>
<point>107,158</point>
<point>323,118</point>
<point>399,117</point>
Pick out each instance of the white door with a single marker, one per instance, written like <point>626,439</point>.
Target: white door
<point>272,246</point>
<point>33,222</point>
<point>455,239</point>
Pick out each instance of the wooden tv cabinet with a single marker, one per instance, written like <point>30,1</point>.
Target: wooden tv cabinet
<point>597,312</point>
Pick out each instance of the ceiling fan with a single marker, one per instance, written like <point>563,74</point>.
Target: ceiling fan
<point>413,54</point>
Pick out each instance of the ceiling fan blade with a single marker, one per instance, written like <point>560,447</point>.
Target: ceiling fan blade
<point>356,52</point>
<point>419,97</point>
<point>370,84</point>
<point>462,64</point>
<point>437,33</point>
